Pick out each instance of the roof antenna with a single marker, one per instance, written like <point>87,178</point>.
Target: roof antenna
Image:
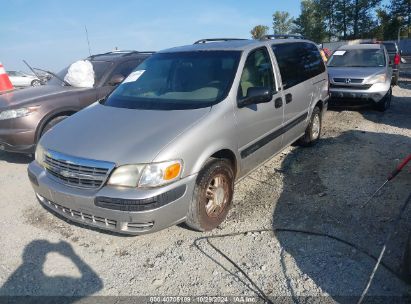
<point>88,41</point>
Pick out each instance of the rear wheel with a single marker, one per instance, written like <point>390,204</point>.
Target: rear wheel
<point>385,103</point>
<point>212,197</point>
<point>50,125</point>
<point>313,131</point>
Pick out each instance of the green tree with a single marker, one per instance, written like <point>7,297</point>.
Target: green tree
<point>282,23</point>
<point>311,22</point>
<point>388,25</point>
<point>401,9</point>
<point>259,31</point>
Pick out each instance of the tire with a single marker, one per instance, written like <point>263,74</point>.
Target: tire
<point>205,213</point>
<point>385,103</point>
<point>35,83</point>
<point>313,131</point>
<point>395,80</point>
<point>52,123</point>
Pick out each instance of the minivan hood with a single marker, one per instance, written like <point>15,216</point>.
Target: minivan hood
<point>31,95</point>
<point>353,72</point>
<point>118,135</point>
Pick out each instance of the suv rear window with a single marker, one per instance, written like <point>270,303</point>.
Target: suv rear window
<point>298,62</point>
<point>181,80</point>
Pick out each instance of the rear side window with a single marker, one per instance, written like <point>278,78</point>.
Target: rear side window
<point>125,68</point>
<point>298,62</point>
<point>257,72</point>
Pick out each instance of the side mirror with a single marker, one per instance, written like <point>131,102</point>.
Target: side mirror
<point>256,95</point>
<point>116,79</point>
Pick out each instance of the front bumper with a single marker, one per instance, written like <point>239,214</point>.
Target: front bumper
<point>16,138</point>
<point>86,207</point>
<point>374,94</point>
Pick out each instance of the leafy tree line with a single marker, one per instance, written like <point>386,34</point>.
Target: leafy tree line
<point>331,20</point>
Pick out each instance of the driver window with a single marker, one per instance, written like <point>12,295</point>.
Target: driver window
<point>257,72</point>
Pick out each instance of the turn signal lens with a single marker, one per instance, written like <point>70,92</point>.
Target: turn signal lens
<point>171,172</point>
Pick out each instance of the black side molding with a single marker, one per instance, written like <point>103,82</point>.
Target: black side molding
<point>270,137</point>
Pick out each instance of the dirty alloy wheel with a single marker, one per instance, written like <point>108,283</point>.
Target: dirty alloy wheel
<point>35,83</point>
<point>313,131</point>
<point>52,123</point>
<point>385,103</point>
<point>212,197</point>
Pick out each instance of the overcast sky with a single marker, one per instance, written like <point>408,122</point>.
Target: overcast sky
<point>50,33</point>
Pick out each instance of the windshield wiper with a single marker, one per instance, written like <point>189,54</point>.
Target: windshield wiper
<point>52,74</point>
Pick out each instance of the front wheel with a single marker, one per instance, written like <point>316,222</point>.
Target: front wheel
<point>385,103</point>
<point>313,131</point>
<point>52,123</point>
<point>212,197</point>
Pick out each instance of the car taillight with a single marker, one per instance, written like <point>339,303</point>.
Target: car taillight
<point>397,59</point>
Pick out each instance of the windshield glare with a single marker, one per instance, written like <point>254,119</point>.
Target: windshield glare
<point>181,80</point>
<point>99,67</point>
<point>357,58</point>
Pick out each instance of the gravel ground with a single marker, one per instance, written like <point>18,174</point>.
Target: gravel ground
<point>319,189</point>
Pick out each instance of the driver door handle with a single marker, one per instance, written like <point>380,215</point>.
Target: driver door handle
<point>288,98</point>
<point>278,103</point>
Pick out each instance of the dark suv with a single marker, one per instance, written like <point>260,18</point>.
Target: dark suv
<point>395,59</point>
<point>25,115</point>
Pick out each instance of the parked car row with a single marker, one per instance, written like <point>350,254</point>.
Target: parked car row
<point>21,79</point>
<point>168,143</point>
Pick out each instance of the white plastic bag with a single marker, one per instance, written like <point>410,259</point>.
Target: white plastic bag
<point>80,74</point>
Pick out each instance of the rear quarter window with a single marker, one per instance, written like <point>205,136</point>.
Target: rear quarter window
<point>298,62</point>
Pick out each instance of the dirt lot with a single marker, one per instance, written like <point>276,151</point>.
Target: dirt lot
<point>319,189</point>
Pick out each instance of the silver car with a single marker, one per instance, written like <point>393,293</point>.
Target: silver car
<point>361,73</point>
<point>169,143</point>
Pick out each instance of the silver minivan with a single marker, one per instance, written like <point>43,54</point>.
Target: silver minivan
<point>169,143</point>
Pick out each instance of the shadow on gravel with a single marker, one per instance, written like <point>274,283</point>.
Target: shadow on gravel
<point>15,158</point>
<point>324,187</point>
<point>30,280</point>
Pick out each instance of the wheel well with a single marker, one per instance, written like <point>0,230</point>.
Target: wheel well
<point>50,118</point>
<point>320,105</point>
<point>227,154</point>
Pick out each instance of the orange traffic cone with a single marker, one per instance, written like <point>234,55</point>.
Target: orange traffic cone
<point>5,83</point>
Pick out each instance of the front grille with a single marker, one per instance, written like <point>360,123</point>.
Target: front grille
<point>351,80</point>
<point>77,172</point>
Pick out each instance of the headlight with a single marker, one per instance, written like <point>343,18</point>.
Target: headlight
<point>40,155</point>
<point>9,114</point>
<point>150,175</point>
<point>382,78</point>
<point>126,176</point>
<point>158,174</point>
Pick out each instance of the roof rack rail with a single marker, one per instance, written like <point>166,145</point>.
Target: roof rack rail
<point>282,36</point>
<point>216,40</point>
<point>122,52</point>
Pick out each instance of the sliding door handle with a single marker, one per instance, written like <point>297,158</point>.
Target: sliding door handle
<point>288,98</point>
<point>278,103</point>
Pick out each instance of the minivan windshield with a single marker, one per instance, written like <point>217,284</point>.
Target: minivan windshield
<point>176,81</point>
<point>366,58</point>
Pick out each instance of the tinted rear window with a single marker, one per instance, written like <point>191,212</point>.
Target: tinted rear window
<point>298,62</point>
